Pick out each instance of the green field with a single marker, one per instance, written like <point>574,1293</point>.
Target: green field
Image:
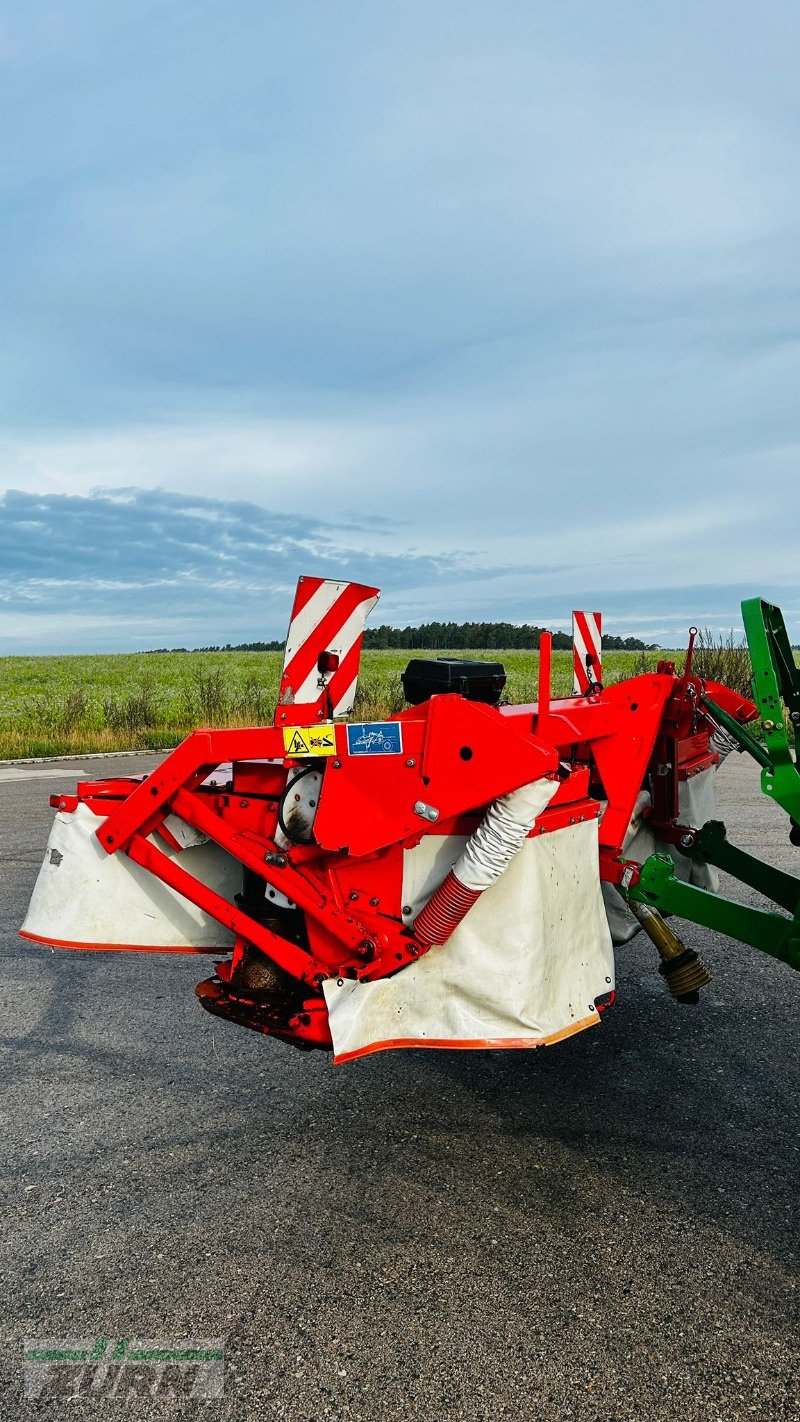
<point>143,701</point>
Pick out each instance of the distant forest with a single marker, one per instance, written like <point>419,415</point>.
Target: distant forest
<point>434,636</point>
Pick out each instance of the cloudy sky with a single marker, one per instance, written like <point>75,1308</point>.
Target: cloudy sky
<point>493,304</point>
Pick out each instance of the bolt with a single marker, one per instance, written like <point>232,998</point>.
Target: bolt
<point>244,804</point>
<point>337,765</point>
<point>278,860</point>
<point>769,725</point>
<point>374,902</point>
<point>687,840</point>
<point>353,896</point>
<point>426,812</point>
<point>411,762</point>
<point>406,910</point>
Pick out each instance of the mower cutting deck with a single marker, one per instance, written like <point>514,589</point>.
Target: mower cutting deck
<point>456,875</point>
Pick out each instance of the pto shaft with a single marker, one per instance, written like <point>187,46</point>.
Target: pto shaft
<point>682,968</point>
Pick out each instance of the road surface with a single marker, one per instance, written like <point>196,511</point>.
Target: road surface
<point>606,1229</point>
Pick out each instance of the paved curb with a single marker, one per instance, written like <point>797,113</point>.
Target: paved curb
<point>84,755</point>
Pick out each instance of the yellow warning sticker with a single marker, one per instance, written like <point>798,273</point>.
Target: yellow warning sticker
<point>300,741</point>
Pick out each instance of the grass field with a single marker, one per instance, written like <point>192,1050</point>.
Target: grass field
<point>58,705</point>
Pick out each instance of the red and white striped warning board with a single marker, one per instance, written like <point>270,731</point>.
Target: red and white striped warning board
<point>586,645</point>
<point>327,617</point>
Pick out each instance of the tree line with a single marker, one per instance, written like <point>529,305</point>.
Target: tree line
<point>454,636</point>
<point>504,636</point>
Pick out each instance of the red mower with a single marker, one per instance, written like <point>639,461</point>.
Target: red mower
<point>455,876</point>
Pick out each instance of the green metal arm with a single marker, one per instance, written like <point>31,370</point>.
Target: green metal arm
<point>746,741</point>
<point>776,681</point>
<point>712,846</point>
<point>771,932</point>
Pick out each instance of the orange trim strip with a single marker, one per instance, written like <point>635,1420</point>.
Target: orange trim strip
<point>464,1045</point>
<point>115,947</point>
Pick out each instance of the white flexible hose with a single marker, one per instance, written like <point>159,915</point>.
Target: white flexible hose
<point>723,743</point>
<point>502,833</point>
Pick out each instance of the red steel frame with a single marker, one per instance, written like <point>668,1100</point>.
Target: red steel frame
<point>457,757</point>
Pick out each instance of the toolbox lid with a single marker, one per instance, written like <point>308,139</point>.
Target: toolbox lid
<point>474,680</point>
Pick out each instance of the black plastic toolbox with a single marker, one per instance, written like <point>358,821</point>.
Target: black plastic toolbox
<point>475,681</point>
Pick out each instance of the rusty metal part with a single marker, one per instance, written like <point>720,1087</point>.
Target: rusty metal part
<point>300,1023</point>
<point>256,974</point>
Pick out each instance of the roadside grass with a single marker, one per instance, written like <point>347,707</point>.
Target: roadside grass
<point>150,701</point>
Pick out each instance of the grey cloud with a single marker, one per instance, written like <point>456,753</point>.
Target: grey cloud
<point>152,554</point>
<point>154,567</point>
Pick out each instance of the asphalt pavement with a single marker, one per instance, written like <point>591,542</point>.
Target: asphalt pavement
<point>605,1229</point>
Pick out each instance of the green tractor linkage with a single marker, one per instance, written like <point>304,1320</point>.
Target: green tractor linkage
<point>776,685</point>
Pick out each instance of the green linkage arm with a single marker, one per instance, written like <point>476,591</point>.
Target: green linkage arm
<point>770,932</point>
<point>746,741</point>
<point>776,680</point>
<point>712,846</point>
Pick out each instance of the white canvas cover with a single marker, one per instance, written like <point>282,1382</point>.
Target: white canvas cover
<point>85,898</point>
<point>521,970</point>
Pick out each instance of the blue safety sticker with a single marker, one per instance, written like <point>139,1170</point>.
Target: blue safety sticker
<point>375,738</point>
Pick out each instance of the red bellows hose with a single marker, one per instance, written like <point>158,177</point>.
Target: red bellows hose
<point>498,838</point>
<point>444,911</point>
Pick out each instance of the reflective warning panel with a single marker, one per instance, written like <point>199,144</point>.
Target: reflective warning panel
<point>300,741</point>
<point>375,738</point>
